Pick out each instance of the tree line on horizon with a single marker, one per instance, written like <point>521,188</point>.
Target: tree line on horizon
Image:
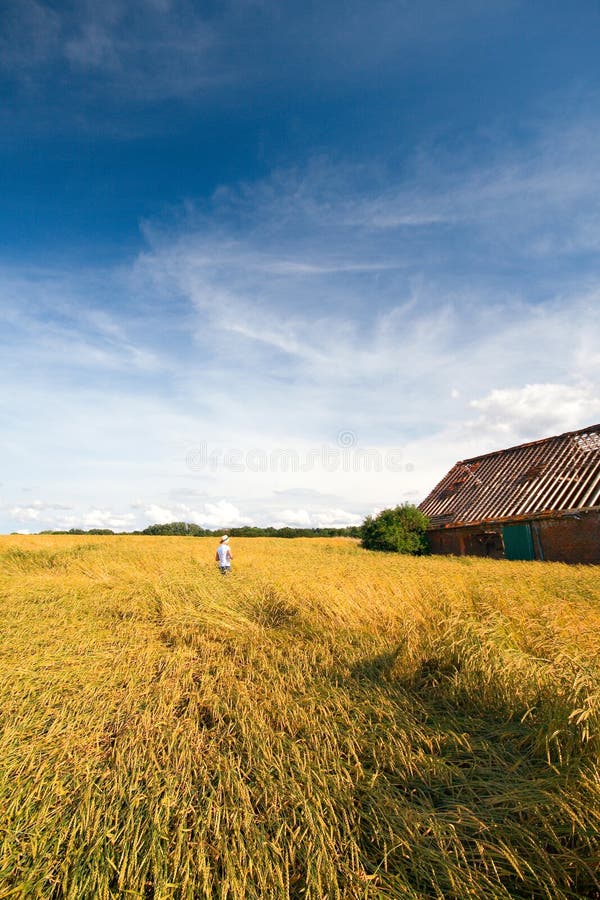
<point>398,530</point>
<point>190,529</point>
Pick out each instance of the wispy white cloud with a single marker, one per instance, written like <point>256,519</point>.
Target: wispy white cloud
<point>422,315</point>
<point>26,513</point>
<point>216,514</point>
<point>55,319</point>
<point>305,518</point>
<point>54,516</point>
<point>541,409</point>
<point>157,49</point>
<point>150,50</point>
<point>308,307</point>
<point>402,326</point>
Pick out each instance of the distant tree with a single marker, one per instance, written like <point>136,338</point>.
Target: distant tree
<point>191,529</point>
<point>398,530</point>
<point>176,528</point>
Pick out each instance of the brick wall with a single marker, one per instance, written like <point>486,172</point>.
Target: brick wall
<point>472,540</point>
<point>570,539</point>
<point>573,539</point>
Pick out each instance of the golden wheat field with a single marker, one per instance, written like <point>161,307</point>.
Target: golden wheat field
<point>325,723</point>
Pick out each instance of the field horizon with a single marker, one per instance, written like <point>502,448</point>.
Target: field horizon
<point>327,722</point>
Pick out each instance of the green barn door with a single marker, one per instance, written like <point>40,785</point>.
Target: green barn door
<point>518,543</point>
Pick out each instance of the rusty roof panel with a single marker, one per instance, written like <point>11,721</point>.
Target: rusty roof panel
<point>550,475</point>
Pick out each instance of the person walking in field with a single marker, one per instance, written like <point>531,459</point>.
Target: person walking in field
<point>224,556</point>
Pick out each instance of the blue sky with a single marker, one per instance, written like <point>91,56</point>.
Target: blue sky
<point>285,263</point>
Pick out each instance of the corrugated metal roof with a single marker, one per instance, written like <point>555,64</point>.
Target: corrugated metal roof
<point>554,474</point>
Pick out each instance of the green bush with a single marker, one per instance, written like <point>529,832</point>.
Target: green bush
<point>398,530</point>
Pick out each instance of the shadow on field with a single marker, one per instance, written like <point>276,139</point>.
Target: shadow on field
<point>479,807</point>
<point>271,609</point>
<point>377,668</point>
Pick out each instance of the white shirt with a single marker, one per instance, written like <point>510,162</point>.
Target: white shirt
<point>224,554</point>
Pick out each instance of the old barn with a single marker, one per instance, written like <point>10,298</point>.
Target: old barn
<point>539,500</point>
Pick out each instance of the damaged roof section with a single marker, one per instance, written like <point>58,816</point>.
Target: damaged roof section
<point>555,474</point>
